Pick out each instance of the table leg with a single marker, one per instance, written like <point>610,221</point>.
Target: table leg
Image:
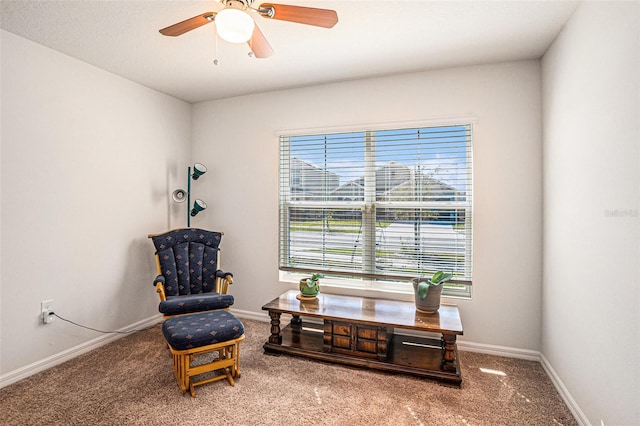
<point>296,322</point>
<point>296,329</point>
<point>449,353</point>
<point>275,328</point>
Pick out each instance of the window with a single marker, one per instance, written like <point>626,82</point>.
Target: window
<point>380,206</point>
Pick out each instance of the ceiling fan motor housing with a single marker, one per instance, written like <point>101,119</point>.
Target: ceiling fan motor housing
<point>237,4</point>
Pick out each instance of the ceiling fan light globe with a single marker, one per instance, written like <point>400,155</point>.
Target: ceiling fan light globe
<point>234,26</point>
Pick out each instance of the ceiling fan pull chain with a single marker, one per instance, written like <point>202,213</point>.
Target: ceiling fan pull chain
<point>215,49</point>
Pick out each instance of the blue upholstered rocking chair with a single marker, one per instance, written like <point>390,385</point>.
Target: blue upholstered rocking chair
<point>188,278</point>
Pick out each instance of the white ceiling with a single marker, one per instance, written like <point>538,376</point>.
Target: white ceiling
<point>372,38</point>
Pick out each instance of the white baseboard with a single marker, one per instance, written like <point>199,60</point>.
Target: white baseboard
<point>507,351</point>
<point>462,345</point>
<point>251,315</point>
<point>68,354</point>
<point>579,415</point>
<point>526,354</point>
<point>59,358</point>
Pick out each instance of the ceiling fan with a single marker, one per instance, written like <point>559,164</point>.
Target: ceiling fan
<point>236,25</point>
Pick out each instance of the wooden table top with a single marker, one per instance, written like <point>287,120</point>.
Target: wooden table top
<point>392,313</point>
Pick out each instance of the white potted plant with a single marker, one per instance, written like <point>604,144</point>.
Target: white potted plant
<point>428,290</point>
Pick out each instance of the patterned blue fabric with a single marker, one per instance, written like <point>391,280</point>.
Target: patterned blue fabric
<point>188,260</point>
<point>175,305</point>
<point>201,329</point>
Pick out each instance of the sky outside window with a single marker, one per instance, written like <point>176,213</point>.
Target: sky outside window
<point>437,152</point>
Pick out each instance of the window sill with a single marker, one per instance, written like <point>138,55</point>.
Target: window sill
<point>346,287</point>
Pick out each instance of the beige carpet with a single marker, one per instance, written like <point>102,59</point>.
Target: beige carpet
<point>131,382</point>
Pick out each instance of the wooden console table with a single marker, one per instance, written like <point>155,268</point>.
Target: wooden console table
<point>359,331</point>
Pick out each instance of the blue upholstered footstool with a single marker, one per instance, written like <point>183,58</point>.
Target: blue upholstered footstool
<point>201,333</point>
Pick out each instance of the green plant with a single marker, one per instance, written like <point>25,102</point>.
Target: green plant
<point>314,278</point>
<point>438,278</point>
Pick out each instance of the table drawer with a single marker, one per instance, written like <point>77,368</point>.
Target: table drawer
<point>356,339</point>
<point>370,333</point>
<point>341,329</point>
<point>341,342</point>
<point>367,346</point>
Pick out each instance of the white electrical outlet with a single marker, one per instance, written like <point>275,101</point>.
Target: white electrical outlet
<point>46,307</point>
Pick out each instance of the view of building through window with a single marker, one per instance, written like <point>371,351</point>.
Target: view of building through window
<point>378,204</point>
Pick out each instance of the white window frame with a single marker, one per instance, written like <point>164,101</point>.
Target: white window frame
<point>370,286</point>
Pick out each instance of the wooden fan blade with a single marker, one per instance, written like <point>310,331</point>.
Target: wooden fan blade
<point>188,24</point>
<point>325,18</point>
<point>259,44</point>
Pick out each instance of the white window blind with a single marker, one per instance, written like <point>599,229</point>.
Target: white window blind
<point>378,204</point>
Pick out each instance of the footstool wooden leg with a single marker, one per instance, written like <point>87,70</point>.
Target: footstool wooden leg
<point>227,371</point>
<point>238,360</point>
<point>186,336</point>
<point>180,365</point>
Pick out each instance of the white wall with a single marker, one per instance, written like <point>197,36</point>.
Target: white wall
<point>591,95</point>
<point>88,161</point>
<point>236,138</point>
